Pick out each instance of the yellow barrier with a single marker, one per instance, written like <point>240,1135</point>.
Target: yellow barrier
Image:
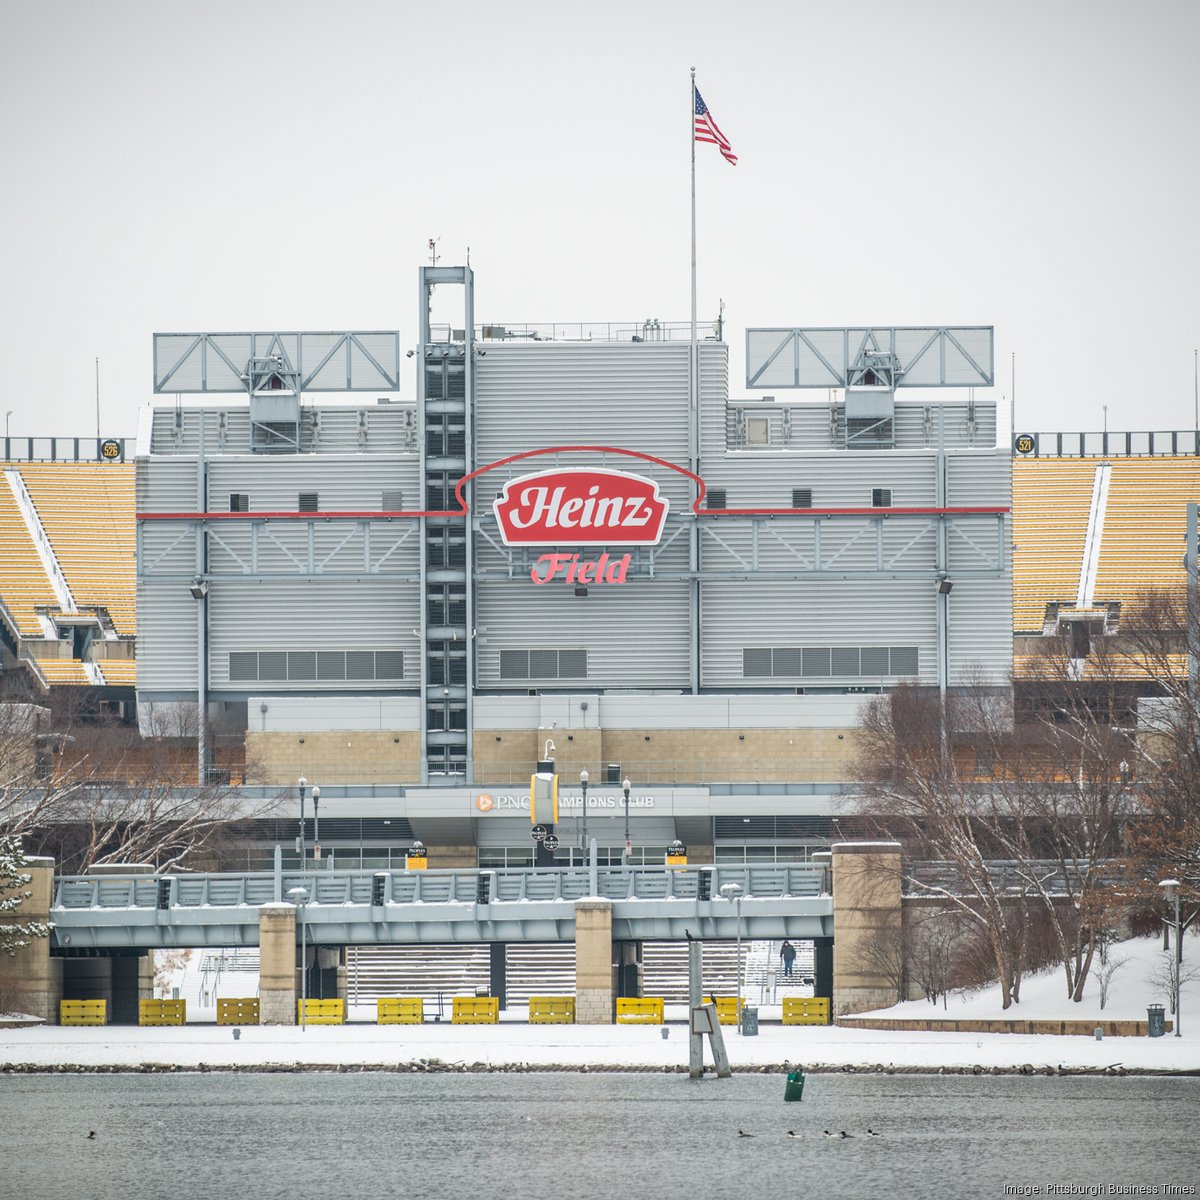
<point>802,1010</point>
<point>162,1012</point>
<point>83,1012</point>
<point>238,1010</point>
<point>321,1012</point>
<point>400,1010</point>
<point>640,1010</point>
<point>552,1010</point>
<point>727,1009</point>
<point>476,1010</point>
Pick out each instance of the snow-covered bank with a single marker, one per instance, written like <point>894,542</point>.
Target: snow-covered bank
<point>515,1044</point>
<point>1138,979</point>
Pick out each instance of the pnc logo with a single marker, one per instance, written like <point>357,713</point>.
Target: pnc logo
<point>581,506</point>
<point>484,802</point>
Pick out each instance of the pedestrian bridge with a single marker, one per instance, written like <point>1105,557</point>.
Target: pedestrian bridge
<point>145,911</point>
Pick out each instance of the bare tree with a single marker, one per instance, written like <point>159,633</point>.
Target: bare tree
<point>1024,805</point>
<point>88,790</point>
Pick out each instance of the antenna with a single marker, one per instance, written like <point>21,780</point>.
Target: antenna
<point>97,398</point>
<point>433,254</point>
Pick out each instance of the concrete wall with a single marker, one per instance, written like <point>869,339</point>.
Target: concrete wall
<point>747,754</point>
<point>342,756</point>
<point>277,964</point>
<point>866,910</point>
<point>30,980</point>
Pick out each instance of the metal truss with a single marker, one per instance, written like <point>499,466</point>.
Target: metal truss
<point>329,546</point>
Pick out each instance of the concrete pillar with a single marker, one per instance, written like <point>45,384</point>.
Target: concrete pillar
<point>277,964</point>
<point>498,973</point>
<point>823,968</point>
<point>30,979</point>
<point>866,910</point>
<point>132,978</point>
<point>593,962</point>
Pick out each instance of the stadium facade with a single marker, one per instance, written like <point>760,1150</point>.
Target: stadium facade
<point>573,544</point>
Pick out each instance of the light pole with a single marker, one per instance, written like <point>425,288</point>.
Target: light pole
<point>8,414</point>
<point>316,823</point>
<point>299,897</point>
<point>583,782</point>
<point>1170,889</point>
<point>302,784</point>
<point>628,843</point>
<point>733,891</point>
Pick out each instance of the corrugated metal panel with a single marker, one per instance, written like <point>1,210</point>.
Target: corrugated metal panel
<point>166,638</point>
<point>166,486</point>
<point>313,616</point>
<point>343,484</point>
<point>980,630</point>
<point>636,634</point>
<point>535,395</point>
<point>818,613</point>
<point>324,429</point>
<point>837,478</point>
<point>981,478</point>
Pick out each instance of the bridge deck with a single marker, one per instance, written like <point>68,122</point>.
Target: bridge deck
<point>390,907</point>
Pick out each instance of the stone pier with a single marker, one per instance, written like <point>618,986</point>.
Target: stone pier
<point>277,964</point>
<point>593,962</point>
<point>30,980</point>
<point>866,911</point>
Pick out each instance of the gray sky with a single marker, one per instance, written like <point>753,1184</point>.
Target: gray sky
<point>227,166</point>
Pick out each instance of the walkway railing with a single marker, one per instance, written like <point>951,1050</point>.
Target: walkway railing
<point>332,887</point>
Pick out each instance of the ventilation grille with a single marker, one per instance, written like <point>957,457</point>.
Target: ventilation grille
<point>824,662</point>
<point>543,664</point>
<point>773,827</point>
<point>304,666</point>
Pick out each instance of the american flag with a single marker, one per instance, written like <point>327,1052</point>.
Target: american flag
<point>707,131</point>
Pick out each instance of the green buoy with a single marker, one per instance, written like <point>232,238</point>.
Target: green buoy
<point>794,1089</point>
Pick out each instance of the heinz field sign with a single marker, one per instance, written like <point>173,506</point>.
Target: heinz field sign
<point>584,506</point>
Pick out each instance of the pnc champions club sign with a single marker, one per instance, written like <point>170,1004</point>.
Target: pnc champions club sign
<point>586,507</point>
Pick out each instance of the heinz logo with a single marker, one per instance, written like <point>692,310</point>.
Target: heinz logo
<point>581,506</point>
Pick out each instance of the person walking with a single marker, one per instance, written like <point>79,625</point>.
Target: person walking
<point>787,952</point>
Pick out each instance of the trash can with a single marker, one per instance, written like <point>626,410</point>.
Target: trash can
<point>749,1022</point>
<point>794,1088</point>
<point>1155,1020</point>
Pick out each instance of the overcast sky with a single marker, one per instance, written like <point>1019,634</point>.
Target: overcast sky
<point>235,166</point>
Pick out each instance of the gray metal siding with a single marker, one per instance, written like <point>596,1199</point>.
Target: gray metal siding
<point>166,638</point>
<point>324,429</point>
<point>636,634</point>
<point>736,615</point>
<point>375,615</point>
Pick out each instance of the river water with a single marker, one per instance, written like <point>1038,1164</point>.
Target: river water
<point>572,1135</point>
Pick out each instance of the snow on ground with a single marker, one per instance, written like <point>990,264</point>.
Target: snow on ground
<point>515,1042</point>
<point>1139,981</point>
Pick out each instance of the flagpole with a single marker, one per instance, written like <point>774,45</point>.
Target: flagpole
<point>692,138</point>
<point>694,419</point>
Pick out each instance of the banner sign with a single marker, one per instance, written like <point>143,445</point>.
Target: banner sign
<point>581,506</point>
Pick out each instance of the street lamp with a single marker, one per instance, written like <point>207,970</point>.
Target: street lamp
<point>628,843</point>
<point>302,784</point>
<point>583,782</point>
<point>1171,891</point>
<point>299,897</point>
<point>733,891</point>
<point>316,823</point>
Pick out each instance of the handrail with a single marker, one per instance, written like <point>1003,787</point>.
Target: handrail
<point>512,885</point>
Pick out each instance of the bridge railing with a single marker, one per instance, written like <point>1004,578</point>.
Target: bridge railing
<point>333,887</point>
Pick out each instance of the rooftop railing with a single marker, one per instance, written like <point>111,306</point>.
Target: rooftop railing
<point>1108,444</point>
<point>65,449</point>
<point>649,330</point>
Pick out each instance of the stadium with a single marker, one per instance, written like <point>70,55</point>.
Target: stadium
<point>571,582</point>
